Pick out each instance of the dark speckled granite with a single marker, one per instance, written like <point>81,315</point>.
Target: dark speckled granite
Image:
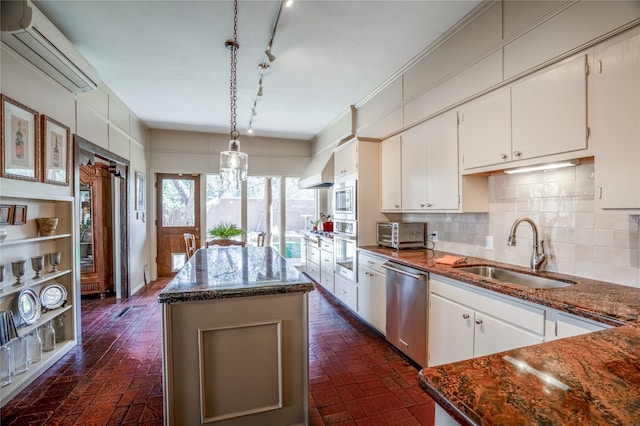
<point>219,273</point>
<point>601,369</point>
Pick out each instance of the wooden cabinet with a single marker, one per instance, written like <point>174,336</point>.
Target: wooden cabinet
<point>430,165</point>
<point>95,230</point>
<point>615,107</point>
<point>23,242</point>
<point>372,291</point>
<point>484,130</point>
<point>482,323</point>
<point>549,111</point>
<point>391,174</point>
<point>345,159</point>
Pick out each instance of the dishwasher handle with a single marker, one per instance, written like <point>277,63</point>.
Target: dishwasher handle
<point>391,267</point>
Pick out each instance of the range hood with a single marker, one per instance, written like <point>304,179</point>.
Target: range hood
<point>319,174</point>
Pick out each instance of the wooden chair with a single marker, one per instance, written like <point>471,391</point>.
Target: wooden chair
<point>223,243</point>
<point>190,244</point>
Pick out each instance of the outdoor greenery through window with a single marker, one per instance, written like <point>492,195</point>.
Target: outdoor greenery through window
<point>178,203</point>
<point>263,202</point>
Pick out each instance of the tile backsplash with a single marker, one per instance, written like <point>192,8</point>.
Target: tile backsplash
<point>580,239</point>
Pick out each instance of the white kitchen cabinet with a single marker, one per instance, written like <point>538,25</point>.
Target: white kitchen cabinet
<point>327,265</point>
<point>347,292</point>
<point>467,322</point>
<point>484,130</point>
<point>451,330</point>
<point>561,324</point>
<point>372,291</point>
<point>615,107</point>
<point>549,111</point>
<point>391,174</point>
<point>24,242</point>
<point>430,165</point>
<point>313,263</point>
<point>345,159</point>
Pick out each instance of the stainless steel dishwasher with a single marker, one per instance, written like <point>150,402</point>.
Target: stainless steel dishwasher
<point>407,311</point>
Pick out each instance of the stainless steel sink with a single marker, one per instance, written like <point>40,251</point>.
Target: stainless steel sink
<point>513,277</point>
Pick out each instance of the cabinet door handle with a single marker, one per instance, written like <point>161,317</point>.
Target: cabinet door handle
<point>517,153</point>
<point>478,321</point>
<point>421,205</point>
<point>465,316</point>
<point>503,156</point>
<point>344,291</point>
<point>397,206</point>
<point>429,204</point>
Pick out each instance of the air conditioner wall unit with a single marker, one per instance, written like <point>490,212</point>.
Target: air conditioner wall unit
<point>30,34</point>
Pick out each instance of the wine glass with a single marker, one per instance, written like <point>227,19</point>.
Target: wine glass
<point>54,260</point>
<point>17,268</point>
<point>37,263</point>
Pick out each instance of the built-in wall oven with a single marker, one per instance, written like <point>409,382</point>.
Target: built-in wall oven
<point>344,248</point>
<point>344,200</point>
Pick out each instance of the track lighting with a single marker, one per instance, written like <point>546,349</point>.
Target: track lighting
<point>270,55</point>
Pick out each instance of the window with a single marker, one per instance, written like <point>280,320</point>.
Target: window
<point>263,210</point>
<point>299,211</point>
<point>224,203</point>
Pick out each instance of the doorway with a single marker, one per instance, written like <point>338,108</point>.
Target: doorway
<point>178,212</point>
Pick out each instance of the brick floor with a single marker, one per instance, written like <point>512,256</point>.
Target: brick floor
<point>114,375</point>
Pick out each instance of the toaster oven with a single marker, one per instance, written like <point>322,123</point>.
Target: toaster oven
<point>400,235</point>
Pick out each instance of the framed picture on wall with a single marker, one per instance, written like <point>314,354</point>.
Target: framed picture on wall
<point>139,191</point>
<point>20,150</point>
<point>56,147</point>
<point>19,215</point>
<point>6,214</point>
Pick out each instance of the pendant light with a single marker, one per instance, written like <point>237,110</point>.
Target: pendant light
<point>234,163</point>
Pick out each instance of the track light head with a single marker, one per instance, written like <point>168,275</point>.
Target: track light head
<point>270,55</point>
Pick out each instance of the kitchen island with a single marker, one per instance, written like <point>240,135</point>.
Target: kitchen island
<point>587,379</point>
<point>235,339</point>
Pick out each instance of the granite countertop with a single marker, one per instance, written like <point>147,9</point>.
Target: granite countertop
<point>589,379</point>
<point>225,272</point>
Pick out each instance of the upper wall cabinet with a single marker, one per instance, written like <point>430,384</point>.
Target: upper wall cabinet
<point>345,159</point>
<point>615,109</point>
<point>390,174</point>
<point>549,111</point>
<point>484,130</point>
<point>430,165</point>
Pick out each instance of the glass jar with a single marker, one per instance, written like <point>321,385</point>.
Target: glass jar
<point>19,356</point>
<point>5,365</point>
<point>48,337</point>
<point>58,325</point>
<point>34,347</point>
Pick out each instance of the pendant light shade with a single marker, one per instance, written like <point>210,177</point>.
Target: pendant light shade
<point>234,163</point>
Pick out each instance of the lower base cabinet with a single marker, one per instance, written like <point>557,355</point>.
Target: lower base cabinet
<point>346,292</point>
<point>460,326</point>
<point>372,291</point>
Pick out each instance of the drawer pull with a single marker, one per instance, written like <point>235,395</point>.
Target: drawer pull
<point>478,321</point>
<point>465,316</point>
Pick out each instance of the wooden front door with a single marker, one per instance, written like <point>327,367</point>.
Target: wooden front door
<point>178,213</point>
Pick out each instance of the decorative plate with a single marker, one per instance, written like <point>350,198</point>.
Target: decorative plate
<point>29,306</point>
<point>53,296</point>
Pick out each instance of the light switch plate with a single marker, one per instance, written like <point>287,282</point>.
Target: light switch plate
<point>488,242</point>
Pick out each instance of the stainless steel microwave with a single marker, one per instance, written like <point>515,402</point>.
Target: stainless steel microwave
<point>344,200</point>
<point>399,235</point>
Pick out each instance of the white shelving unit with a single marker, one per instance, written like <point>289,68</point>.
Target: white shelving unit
<point>22,243</point>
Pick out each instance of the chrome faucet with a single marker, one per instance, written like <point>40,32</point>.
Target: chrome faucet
<point>537,256</point>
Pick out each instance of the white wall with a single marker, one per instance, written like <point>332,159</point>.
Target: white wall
<point>101,118</point>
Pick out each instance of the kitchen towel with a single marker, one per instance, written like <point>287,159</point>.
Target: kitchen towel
<point>450,260</point>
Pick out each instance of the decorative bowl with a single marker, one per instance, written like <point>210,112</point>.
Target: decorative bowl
<point>47,225</point>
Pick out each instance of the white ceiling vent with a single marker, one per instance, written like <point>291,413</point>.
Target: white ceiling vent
<point>28,32</point>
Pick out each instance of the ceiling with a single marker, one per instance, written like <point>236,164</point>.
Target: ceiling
<point>166,60</point>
